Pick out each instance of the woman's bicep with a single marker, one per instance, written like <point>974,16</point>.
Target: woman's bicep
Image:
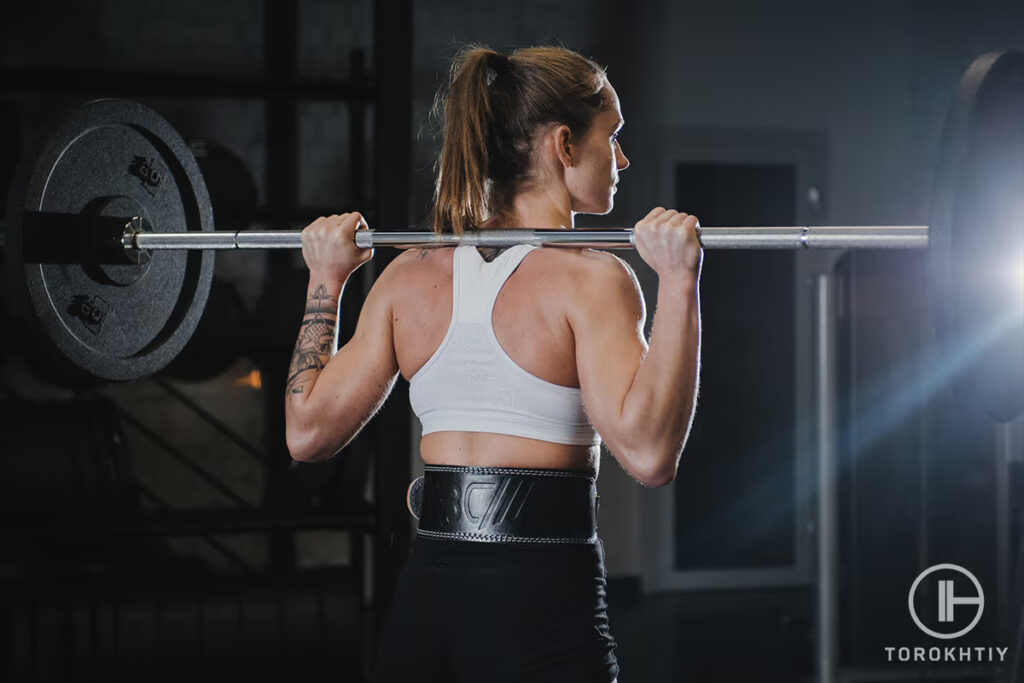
<point>608,328</point>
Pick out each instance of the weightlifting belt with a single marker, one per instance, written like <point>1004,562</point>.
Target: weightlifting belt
<point>505,505</point>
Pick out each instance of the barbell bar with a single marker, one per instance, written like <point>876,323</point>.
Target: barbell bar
<point>805,237</point>
<point>110,239</point>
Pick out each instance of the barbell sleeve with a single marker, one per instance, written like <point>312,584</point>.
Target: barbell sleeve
<point>803,237</point>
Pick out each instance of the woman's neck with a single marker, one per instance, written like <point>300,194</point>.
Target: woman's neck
<point>541,208</point>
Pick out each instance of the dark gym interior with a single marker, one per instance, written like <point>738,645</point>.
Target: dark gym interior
<point>158,529</point>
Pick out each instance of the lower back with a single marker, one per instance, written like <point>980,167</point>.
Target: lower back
<point>482,449</point>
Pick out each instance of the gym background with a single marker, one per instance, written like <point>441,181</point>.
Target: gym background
<point>158,529</point>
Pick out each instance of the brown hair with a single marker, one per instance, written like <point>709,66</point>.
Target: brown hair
<point>490,110</point>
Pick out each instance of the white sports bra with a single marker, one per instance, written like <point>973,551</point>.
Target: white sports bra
<point>471,385</point>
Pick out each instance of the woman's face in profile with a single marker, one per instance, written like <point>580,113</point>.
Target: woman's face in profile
<point>597,160</point>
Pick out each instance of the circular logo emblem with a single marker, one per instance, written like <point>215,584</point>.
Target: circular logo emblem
<point>948,600</point>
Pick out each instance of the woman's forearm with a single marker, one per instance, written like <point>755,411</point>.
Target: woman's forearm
<point>318,337</point>
<point>317,342</point>
<point>660,403</point>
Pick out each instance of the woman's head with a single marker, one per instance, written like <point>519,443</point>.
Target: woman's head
<point>500,112</point>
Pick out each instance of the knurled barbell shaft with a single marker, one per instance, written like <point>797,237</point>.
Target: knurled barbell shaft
<point>805,237</point>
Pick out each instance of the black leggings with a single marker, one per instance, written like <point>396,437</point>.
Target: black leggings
<point>465,612</point>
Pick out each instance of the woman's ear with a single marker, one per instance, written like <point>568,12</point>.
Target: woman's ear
<point>563,145</point>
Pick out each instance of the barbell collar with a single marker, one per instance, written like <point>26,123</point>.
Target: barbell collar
<point>805,237</point>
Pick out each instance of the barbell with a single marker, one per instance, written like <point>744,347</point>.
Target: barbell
<point>136,241</point>
<point>110,238</point>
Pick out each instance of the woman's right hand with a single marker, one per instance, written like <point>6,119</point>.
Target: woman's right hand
<point>329,246</point>
<point>667,241</point>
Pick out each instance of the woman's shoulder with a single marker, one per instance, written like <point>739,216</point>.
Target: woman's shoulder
<point>579,269</point>
<point>583,286</point>
<point>411,263</point>
<point>601,268</point>
<point>590,281</point>
<point>411,270</point>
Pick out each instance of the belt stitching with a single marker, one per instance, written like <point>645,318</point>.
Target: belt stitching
<point>500,537</point>
<point>507,470</point>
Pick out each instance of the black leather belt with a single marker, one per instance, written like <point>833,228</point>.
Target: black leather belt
<point>505,504</point>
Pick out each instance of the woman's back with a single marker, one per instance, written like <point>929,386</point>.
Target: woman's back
<point>530,140</point>
<point>530,322</point>
<point>502,357</point>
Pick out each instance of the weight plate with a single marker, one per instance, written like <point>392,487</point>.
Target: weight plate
<point>116,322</point>
<point>233,192</point>
<point>219,339</point>
<point>977,236</point>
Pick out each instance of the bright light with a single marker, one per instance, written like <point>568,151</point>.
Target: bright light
<point>253,379</point>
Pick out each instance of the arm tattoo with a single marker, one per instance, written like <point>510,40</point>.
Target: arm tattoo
<point>316,340</point>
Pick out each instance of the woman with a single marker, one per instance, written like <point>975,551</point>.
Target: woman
<point>517,361</point>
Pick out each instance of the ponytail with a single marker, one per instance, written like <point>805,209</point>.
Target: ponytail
<point>489,110</point>
<point>461,199</point>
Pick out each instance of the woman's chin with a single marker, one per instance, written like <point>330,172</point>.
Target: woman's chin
<point>600,207</point>
<point>610,204</point>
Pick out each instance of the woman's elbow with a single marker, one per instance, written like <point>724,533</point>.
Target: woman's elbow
<point>303,443</point>
<point>654,469</point>
<point>303,455</point>
<point>648,463</point>
<point>658,476</point>
<point>313,445</point>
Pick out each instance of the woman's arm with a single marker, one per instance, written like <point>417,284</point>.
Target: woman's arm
<point>642,398</point>
<point>333,392</point>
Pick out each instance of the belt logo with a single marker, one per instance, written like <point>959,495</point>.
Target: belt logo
<point>484,503</point>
